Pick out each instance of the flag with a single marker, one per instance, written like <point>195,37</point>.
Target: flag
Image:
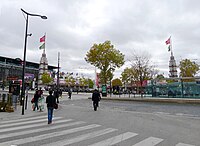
<point>42,46</point>
<point>168,41</point>
<point>42,39</point>
<point>169,48</point>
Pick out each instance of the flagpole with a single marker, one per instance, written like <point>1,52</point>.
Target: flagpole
<point>45,41</point>
<point>58,84</point>
<point>171,46</point>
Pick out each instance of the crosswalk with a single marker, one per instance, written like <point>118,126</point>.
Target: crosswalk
<point>35,131</point>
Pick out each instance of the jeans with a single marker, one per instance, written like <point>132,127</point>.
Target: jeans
<point>50,114</point>
<point>36,106</point>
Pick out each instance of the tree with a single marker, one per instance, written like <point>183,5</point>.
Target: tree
<point>70,81</point>
<point>160,76</point>
<point>46,78</point>
<point>116,82</point>
<point>90,83</point>
<point>142,70</point>
<point>106,58</point>
<point>188,68</point>
<point>127,76</point>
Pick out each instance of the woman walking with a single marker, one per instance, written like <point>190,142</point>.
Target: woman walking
<point>51,102</point>
<point>36,97</point>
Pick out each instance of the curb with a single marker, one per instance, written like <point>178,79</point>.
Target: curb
<point>159,100</point>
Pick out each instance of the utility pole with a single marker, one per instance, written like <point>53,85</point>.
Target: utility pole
<point>58,73</point>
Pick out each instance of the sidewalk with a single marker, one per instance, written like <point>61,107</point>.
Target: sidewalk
<point>29,112</point>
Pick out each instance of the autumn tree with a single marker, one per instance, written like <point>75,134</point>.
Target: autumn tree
<point>127,76</point>
<point>90,83</point>
<point>70,81</point>
<point>46,78</point>
<point>141,67</point>
<point>106,58</point>
<point>188,68</point>
<point>116,82</point>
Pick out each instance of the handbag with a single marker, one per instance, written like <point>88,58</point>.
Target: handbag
<point>32,100</point>
<point>55,106</point>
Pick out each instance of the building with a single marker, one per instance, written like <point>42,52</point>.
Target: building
<point>11,70</point>
<point>43,67</point>
<point>172,67</point>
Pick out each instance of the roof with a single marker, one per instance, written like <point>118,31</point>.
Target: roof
<point>18,61</point>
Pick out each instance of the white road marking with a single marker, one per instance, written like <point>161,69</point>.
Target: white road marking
<point>48,135</point>
<point>115,139</point>
<point>183,144</point>
<point>25,122</point>
<point>26,126</point>
<point>20,120</point>
<point>151,141</point>
<point>81,137</point>
<point>42,129</point>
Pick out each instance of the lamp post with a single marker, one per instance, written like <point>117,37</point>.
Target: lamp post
<point>24,61</point>
<point>58,73</point>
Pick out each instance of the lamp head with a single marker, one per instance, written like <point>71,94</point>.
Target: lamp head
<point>44,17</point>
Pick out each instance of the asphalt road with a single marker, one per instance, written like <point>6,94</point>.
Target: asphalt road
<point>143,124</point>
<point>174,123</point>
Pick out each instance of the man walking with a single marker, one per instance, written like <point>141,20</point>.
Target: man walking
<point>96,98</point>
<point>51,102</point>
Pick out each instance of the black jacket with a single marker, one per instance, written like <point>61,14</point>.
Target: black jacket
<point>96,96</point>
<point>50,100</point>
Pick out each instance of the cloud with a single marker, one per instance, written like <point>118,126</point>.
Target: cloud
<point>73,26</point>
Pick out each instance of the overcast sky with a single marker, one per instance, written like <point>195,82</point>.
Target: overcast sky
<point>73,26</point>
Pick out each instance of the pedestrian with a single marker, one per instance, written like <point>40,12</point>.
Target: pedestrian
<point>56,95</point>
<point>14,97</point>
<point>96,98</point>
<point>51,102</point>
<point>70,93</point>
<point>40,92</point>
<point>36,98</point>
<point>41,100</point>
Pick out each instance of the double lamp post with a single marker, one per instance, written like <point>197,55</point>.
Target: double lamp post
<point>24,61</point>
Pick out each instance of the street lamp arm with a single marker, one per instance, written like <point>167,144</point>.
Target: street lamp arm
<point>43,17</point>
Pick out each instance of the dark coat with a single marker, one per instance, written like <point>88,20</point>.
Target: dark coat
<point>36,97</point>
<point>96,96</point>
<point>51,101</point>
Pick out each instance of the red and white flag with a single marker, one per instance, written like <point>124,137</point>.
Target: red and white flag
<point>168,41</point>
<point>42,39</point>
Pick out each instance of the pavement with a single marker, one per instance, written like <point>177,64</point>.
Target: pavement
<point>137,98</point>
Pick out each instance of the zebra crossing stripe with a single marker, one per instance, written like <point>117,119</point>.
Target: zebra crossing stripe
<point>183,144</point>
<point>115,139</point>
<point>42,129</point>
<point>25,122</point>
<point>151,141</point>
<point>20,120</point>
<point>48,135</point>
<point>81,137</point>
<point>25,126</point>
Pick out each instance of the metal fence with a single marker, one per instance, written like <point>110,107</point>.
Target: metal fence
<point>174,90</point>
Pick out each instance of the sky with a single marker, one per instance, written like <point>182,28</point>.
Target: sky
<point>73,26</point>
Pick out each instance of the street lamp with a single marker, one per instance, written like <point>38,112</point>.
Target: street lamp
<point>24,61</point>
